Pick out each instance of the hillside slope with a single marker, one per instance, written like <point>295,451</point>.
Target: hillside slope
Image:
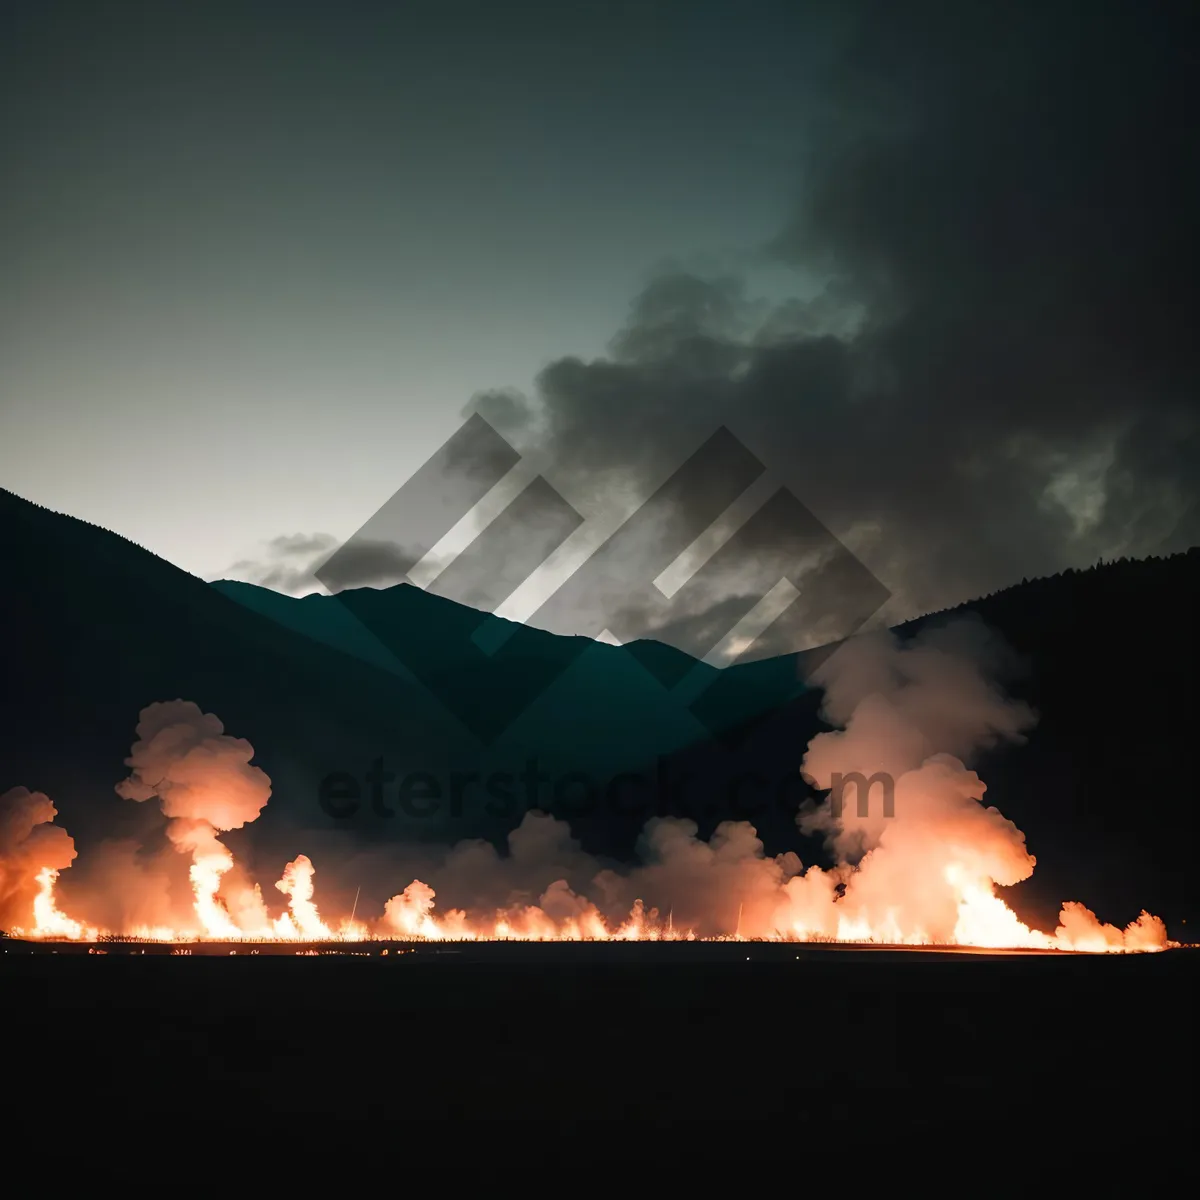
<point>96,628</point>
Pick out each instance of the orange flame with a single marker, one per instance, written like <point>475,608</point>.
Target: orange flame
<point>955,903</point>
<point>983,920</point>
<point>49,921</point>
<point>303,922</point>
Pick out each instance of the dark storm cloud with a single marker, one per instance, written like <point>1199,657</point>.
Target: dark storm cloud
<point>365,563</point>
<point>291,563</point>
<point>286,562</point>
<point>1000,377</point>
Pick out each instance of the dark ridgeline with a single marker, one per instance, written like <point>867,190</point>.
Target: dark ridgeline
<point>96,628</point>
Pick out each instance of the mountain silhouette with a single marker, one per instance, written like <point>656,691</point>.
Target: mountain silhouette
<point>96,628</point>
<point>99,627</point>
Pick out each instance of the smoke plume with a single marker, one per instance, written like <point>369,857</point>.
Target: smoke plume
<point>30,846</point>
<point>303,919</point>
<point>988,368</point>
<point>917,862</point>
<point>920,865</point>
<point>205,785</point>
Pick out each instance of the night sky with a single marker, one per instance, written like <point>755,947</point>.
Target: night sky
<point>937,263</point>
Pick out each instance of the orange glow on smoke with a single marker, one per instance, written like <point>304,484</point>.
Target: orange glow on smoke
<point>302,921</point>
<point>926,875</point>
<point>984,921</point>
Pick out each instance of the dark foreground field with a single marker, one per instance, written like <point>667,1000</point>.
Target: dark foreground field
<point>883,1041</point>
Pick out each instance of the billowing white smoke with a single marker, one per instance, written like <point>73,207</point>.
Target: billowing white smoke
<point>528,891</point>
<point>918,863</point>
<point>919,866</point>
<point>911,712</point>
<point>205,785</point>
<point>914,711</point>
